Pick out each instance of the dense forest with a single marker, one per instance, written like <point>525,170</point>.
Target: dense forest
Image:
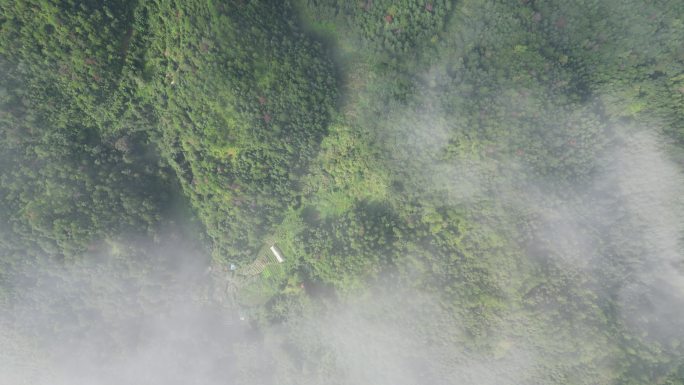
<point>463,192</point>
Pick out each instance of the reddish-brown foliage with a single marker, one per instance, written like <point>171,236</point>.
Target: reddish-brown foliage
<point>561,22</point>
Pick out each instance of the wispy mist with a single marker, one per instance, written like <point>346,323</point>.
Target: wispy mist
<point>580,212</point>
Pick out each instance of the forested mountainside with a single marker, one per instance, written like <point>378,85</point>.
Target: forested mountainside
<point>463,192</point>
